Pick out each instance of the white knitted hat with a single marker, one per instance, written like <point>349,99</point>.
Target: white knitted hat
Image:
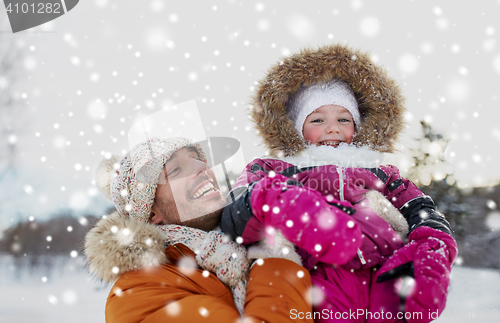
<point>308,99</point>
<point>130,182</point>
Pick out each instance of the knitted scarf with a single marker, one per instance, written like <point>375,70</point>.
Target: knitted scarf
<point>217,254</point>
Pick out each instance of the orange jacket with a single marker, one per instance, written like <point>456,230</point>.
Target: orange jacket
<point>180,292</point>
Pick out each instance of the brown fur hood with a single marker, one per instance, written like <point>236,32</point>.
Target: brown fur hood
<point>117,244</point>
<point>379,98</point>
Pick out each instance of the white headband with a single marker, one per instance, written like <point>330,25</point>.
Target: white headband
<point>308,99</point>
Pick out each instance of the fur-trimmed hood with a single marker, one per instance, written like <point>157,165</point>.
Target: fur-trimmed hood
<point>344,155</point>
<point>379,98</point>
<point>117,244</point>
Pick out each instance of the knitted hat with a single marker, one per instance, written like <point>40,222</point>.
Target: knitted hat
<point>307,99</point>
<point>130,182</point>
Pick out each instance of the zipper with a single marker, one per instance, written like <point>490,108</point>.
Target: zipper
<point>179,250</point>
<point>340,171</point>
<point>341,182</point>
<point>361,257</point>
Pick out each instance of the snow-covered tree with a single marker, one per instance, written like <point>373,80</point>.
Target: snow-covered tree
<point>10,106</point>
<point>469,211</point>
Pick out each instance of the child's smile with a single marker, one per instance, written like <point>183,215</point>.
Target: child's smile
<point>334,143</point>
<point>329,125</point>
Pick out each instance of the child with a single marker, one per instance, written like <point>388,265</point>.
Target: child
<point>327,116</point>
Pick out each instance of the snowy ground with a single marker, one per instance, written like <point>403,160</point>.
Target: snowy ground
<point>474,296</point>
<point>65,293</point>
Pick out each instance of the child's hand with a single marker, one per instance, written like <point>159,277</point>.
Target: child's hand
<point>425,265</point>
<point>305,218</point>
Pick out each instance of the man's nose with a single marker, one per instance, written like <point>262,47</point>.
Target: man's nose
<point>197,167</point>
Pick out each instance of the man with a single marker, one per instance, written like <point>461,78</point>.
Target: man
<point>166,196</point>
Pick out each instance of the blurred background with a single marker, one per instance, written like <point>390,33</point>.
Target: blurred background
<point>72,88</point>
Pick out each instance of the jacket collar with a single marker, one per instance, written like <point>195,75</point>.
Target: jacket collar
<point>344,155</point>
<point>118,243</point>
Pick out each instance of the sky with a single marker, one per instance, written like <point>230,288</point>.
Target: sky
<point>86,78</point>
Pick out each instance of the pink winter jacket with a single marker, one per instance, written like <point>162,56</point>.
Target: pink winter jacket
<point>381,107</point>
<point>336,183</point>
<point>352,285</point>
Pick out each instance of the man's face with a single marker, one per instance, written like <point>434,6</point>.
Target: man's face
<point>190,194</point>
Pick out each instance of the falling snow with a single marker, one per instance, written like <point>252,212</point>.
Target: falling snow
<point>369,26</point>
<point>491,204</point>
<point>493,221</point>
<point>300,26</point>
<point>458,90</point>
<point>408,63</point>
<point>496,63</point>
<point>67,78</point>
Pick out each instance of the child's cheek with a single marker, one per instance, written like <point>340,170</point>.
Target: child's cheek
<point>312,134</point>
<point>349,135</point>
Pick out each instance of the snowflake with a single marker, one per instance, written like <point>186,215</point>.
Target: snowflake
<point>52,299</point>
<point>203,311</point>
<point>493,221</point>
<point>369,26</point>
<point>408,63</point>
<point>69,297</point>
<point>173,309</point>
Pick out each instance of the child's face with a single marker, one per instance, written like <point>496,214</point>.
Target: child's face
<point>329,125</point>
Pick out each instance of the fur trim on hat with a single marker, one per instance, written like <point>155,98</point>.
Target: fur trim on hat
<point>379,97</point>
<point>117,244</point>
<point>105,173</point>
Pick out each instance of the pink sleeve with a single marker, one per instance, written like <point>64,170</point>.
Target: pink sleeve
<point>254,171</point>
<point>306,219</point>
<point>387,180</point>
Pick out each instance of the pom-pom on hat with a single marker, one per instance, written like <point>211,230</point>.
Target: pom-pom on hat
<point>130,182</point>
<point>307,99</point>
<point>105,172</point>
